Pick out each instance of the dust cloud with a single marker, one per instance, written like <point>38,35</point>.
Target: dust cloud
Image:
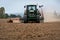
<point>51,17</point>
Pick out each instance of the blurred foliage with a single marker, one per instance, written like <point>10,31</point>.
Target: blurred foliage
<point>9,16</point>
<point>1,16</point>
<point>12,16</point>
<point>4,15</point>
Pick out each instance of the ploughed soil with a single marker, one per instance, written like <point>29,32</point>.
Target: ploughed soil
<point>29,31</point>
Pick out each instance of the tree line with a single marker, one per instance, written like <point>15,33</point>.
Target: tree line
<point>9,16</point>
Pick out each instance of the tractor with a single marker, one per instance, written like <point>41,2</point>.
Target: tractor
<point>32,14</point>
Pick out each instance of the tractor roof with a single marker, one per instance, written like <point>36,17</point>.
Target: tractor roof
<point>31,5</point>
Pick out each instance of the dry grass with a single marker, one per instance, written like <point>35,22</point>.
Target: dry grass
<point>29,31</point>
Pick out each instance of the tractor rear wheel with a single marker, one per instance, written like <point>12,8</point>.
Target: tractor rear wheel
<point>38,19</point>
<point>25,19</point>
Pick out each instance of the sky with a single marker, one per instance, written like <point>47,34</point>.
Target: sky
<point>17,6</point>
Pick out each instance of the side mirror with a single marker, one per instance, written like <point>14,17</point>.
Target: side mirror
<point>24,6</point>
<point>40,6</point>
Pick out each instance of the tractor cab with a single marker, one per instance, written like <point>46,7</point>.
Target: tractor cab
<point>31,11</point>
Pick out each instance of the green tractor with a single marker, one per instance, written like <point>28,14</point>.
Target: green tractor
<point>31,13</point>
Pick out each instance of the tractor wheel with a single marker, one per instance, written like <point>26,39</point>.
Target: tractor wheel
<point>38,19</point>
<point>42,20</point>
<point>25,19</point>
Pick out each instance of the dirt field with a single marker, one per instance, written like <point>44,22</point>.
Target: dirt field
<point>29,31</point>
